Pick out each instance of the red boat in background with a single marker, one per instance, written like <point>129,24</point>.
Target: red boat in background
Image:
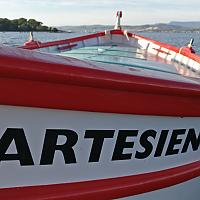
<point>102,116</point>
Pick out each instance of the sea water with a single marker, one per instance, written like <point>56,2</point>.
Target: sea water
<point>177,39</point>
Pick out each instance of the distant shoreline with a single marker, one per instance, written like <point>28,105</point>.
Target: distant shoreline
<point>159,27</point>
<point>88,31</point>
<point>27,25</point>
<point>24,25</point>
<point>36,31</point>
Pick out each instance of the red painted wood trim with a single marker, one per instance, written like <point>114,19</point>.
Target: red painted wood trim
<point>161,44</point>
<point>47,85</point>
<point>62,42</point>
<point>192,56</point>
<point>106,188</point>
<point>66,47</point>
<point>70,40</point>
<point>161,51</point>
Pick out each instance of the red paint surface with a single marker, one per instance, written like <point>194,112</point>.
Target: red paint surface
<point>66,47</point>
<point>62,42</point>
<point>193,56</point>
<point>34,83</point>
<point>186,50</point>
<point>106,188</point>
<point>119,13</point>
<point>114,32</point>
<point>161,51</point>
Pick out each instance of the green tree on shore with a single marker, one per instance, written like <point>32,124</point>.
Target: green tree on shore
<point>23,24</point>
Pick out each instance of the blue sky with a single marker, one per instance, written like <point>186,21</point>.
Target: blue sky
<point>76,12</point>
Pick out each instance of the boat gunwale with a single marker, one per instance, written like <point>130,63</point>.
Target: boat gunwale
<point>192,56</point>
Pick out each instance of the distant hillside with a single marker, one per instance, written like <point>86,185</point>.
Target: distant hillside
<point>142,28</point>
<point>84,28</point>
<point>191,24</point>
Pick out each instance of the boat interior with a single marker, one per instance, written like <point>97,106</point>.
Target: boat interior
<point>117,48</point>
<point>120,48</point>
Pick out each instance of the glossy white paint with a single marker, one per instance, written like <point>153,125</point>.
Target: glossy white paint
<point>36,121</point>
